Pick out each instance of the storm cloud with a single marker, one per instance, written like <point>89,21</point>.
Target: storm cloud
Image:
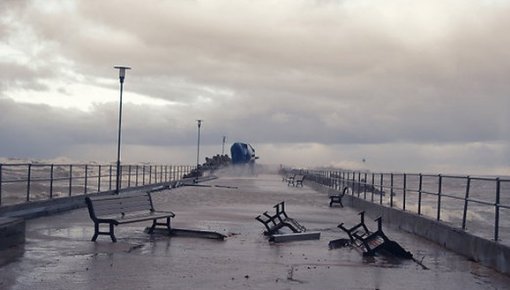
<point>419,86</point>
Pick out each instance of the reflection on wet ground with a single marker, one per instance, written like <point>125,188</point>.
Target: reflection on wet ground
<point>58,253</point>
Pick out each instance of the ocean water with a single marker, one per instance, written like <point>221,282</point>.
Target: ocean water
<point>64,180</point>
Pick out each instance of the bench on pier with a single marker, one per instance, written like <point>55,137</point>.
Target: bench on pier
<point>274,222</point>
<point>337,198</point>
<point>371,242</point>
<point>362,238</point>
<point>359,230</point>
<point>297,180</point>
<point>123,209</point>
<point>288,177</point>
<point>280,219</point>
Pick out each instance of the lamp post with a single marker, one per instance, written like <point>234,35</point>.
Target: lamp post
<point>223,145</point>
<point>199,122</point>
<point>122,75</point>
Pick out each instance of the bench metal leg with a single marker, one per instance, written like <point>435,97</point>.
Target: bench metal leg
<point>168,225</point>
<point>151,230</point>
<point>96,232</point>
<point>112,234</point>
<point>335,199</point>
<point>155,223</point>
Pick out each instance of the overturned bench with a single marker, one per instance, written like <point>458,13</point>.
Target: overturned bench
<point>123,209</point>
<point>273,223</point>
<point>371,242</point>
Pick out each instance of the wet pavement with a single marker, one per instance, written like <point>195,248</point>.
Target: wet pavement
<point>58,253</point>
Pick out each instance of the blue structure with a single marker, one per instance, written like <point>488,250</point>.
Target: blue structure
<point>242,153</point>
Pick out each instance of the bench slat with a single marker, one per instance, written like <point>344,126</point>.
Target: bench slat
<point>108,204</point>
<point>106,208</point>
<point>144,217</point>
<point>135,208</point>
<point>106,212</point>
<point>134,197</point>
<point>130,203</point>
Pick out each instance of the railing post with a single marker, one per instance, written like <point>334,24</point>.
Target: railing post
<point>1,165</point>
<point>420,187</point>
<point>496,219</point>
<point>381,193</point>
<point>29,176</point>
<point>86,177</point>
<point>373,187</point>
<point>161,174</point>
<point>120,176</point>
<point>129,175</point>
<point>365,187</point>
<point>136,177</point>
<point>99,179</point>
<point>110,186</point>
<point>353,181</point>
<point>155,174</point>
<point>466,197</point>
<point>359,184</point>
<point>391,189</point>
<point>70,179</point>
<point>404,197</point>
<point>51,181</point>
<point>150,174</point>
<point>440,188</point>
<point>143,174</point>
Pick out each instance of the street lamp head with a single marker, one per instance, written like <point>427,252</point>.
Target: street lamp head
<point>122,71</point>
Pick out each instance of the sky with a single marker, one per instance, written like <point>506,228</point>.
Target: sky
<point>388,86</point>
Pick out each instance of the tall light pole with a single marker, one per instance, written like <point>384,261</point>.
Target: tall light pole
<point>199,122</point>
<point>122,75</point>
<point>223,145</point>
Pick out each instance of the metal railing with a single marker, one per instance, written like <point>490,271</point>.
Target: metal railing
<point>33,181</point>
<point>480,205</point>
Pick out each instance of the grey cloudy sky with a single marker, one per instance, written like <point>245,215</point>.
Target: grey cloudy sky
<point>419,86</point>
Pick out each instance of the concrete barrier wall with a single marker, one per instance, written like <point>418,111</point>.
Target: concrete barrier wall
<point>486,252</point>
<point>12,232</point>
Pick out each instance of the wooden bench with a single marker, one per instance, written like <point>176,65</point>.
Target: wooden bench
<point>365,240</point>
<point>337,198</point>
<point>297,180</point>
<point>123,209</point>
<point>361,230</point>
<point>287,178</point>
<point>369,243</point>
<point>280,219</point>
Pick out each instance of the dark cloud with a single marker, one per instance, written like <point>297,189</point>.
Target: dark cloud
<point>335,73</point>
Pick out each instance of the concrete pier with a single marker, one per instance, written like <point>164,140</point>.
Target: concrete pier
<point>58,253</point>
